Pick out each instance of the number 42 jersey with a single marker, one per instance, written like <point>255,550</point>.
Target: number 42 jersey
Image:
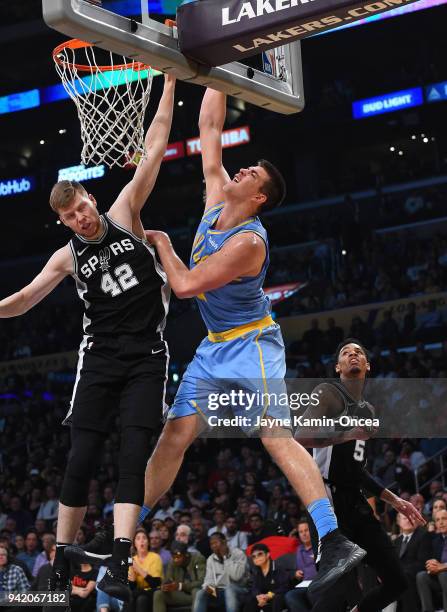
<point>123,286</point>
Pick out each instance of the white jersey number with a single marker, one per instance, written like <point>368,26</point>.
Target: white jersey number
<point>359,451</point>
<point>125,280</point>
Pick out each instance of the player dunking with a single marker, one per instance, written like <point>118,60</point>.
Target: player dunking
<point>228,265</point>
<point>341,458</point>
<point>123,358</point>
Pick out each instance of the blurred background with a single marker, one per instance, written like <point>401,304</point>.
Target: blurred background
<point>359,247</point>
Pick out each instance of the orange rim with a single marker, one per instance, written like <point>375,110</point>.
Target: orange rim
<point>75,43</point>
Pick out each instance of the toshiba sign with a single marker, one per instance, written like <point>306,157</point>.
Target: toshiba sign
<point>230,138</point>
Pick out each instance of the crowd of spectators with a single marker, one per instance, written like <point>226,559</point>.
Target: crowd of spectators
<point>228,497</point>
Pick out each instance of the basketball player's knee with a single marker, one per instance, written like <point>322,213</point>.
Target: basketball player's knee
<point>174,441</point>
<point>134,455</point>
<point>82,461</point>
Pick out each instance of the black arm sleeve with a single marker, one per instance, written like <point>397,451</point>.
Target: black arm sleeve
<point>369,483</point>
<point>154,583</point>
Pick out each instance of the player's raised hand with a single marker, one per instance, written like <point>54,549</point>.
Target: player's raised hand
<point>411,512</point>
<point>170,79</point>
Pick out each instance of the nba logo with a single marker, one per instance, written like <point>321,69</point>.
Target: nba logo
<point>273,62</point>
<point>269,62</point>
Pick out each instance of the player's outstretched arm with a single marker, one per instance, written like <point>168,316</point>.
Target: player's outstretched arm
<point>403,506</point>
<point>58,267</point>
<point>211,123</point>
<point>135,194</point>
<point>242,255</point>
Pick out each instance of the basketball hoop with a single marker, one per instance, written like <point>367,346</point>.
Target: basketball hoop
<point>111,98</point>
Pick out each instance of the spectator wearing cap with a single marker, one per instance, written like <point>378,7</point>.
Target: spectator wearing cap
<point>226,577</point>
<point>184,577</point>
<point>31,552</point>
<point>270,583</point>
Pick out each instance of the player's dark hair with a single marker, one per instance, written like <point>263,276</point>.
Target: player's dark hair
<point>350,341</point>
<point>63,194</point>
<point>274,188</point>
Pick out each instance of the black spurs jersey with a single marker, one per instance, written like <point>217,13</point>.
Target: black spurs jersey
<point>124,288</point>
<point>344,464</point>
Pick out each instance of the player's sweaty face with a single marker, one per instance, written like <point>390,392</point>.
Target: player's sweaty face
<point>352,359</point>
<point>247,182</point>
<point>81,216</point>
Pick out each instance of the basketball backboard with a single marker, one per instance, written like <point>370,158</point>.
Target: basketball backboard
<point>127,27</point>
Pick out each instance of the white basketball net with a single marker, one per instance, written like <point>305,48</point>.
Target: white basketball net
<point>111,99</point>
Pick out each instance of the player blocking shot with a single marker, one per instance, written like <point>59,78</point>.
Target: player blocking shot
<point>227,270</point>
<point>123,358</point>
<point>341,458</point>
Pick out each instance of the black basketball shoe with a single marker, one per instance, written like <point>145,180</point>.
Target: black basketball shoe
<point>115,581</point>
<point>97,552</point>
<point>337,557</point>
<point>59,582</point>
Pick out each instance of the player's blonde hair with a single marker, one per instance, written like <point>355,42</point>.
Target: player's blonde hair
<point>63,193</point>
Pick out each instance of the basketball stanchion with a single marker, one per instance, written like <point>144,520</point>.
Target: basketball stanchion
<point>156,44</point>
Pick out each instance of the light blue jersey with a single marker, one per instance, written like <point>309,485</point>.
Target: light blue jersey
<point>241,301</point>
<point>244,350</point>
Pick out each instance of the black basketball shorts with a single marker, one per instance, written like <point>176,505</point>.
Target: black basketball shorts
<point>125,376</point>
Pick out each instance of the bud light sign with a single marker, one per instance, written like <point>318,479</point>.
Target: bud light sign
<point>11,187</point>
